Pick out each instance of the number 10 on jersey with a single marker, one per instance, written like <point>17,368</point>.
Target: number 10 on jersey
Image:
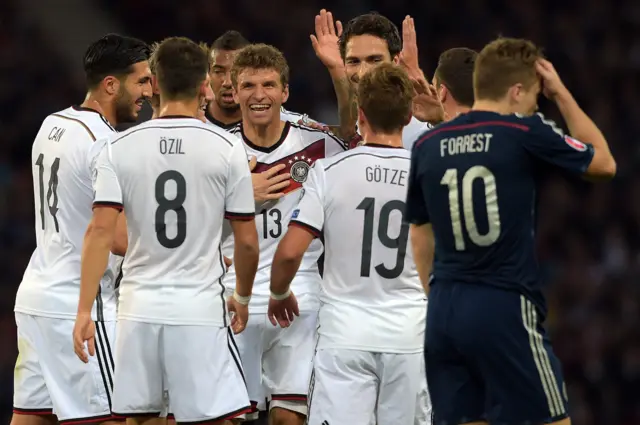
<point>450,179</point>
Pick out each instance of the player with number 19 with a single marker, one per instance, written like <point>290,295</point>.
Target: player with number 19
<point>176,178</point>
<point>369,363</point>
<point>472,200</point>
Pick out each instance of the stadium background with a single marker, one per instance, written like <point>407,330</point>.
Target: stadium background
<point>588,235</point>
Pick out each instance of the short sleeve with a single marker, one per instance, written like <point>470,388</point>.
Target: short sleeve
<point>547,142</point>
<point>333,145</point>
<point>239,203</point>
<point>416,209</point>
<point>106,187</point>
<point>309,213</point>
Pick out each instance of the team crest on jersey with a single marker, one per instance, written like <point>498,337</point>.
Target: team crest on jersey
<point>575,144</point>
<point>300,169</point>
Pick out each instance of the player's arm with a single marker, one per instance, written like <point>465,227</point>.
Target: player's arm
<point>100,233</point>
<point>240,211</point>
<point>421,232</point>
<point>325,44</point>
<point>121,238</point>
<point>423,246</point>
<point>595,162</point>
<point>305,225</point>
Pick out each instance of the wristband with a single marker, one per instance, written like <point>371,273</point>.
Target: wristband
<point>242,300</point>
<point>281,296</point>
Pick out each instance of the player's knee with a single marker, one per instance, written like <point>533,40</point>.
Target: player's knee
<point>147,420</point>
<point>565,421</point>
<point>282,416</point>
<point>18,419</point>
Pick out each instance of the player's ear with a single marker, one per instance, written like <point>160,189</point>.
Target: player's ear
<point>396,59</point>
<point>111,85</point>
<point>516,93</point>
<point>362,119</point>
<point>234,91</point>
<point>154,85</point>
<point>285,93</point>
<point>443,93</point>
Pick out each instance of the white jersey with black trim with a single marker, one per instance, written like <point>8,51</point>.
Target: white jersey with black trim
<point>372,298</point>
<point>298,148</point>
<point>410,133</point>
<point>177,179</point>
<point>285,115</point>
<point>63,155</point>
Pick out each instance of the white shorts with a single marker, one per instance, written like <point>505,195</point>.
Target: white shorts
<point>50,379</point>
<point>363,388</point>
<point>278,361</point>
<point>198,366</point>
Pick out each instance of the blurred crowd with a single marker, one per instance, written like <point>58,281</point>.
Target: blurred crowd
<point>589,235</point>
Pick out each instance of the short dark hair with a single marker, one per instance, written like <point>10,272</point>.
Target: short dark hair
<point>385,95</point>
<point>181,66</point>
<point>455,70</point>
<point>230,40</point>
<point>260,56</point>
<point>503,63</point>
<point>373,24</point>
<point>114,55</point>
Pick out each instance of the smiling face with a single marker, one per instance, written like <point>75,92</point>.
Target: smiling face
<point>134,90</point>
<point>260,94</point>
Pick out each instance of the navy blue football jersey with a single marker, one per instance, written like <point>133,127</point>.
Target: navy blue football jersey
<point>475,180</point>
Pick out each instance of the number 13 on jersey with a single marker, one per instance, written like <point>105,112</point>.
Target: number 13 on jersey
<point>450,179</point>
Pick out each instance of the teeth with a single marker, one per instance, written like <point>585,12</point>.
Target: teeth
<point>259,107</point>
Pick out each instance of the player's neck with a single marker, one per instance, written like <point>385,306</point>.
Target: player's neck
<point>498,107</point>
<point>106,108</point>
<point>263,135</point>
<point>184,108</point>
<point>387,140</point>
<point>225,116</point>
<point>454,110</point>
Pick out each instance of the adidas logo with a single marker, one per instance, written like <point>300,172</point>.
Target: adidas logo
<point>325,423</point>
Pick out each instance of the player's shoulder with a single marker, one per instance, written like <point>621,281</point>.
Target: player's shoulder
<point>310,135</point>
<point>364,154</point>
<point>291,116</point>
<point>538,122</point>
<point>206,131</point>
<point>84,121</point>
<point>236,130</point>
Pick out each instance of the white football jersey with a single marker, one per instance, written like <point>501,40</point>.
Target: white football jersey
<point>410,133</point>
<point>285,115</point>
<point>177,179</point>
<point>372,299</point>
<point>63,155</point>
<point>298,148</point>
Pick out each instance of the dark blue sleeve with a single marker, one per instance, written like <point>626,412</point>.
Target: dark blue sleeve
<point>416,210</point>
<point>546,141</point>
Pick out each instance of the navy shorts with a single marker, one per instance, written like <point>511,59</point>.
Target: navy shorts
<point>489,358</point>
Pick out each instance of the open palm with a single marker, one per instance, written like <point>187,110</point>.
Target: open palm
<point>325,40</point>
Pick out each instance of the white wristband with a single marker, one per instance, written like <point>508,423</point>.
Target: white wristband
<point>281,296</point>
<point>242,300</point>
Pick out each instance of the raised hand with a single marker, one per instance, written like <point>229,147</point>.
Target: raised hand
<point>409,53</point>
<point>325,40</point>
<point>552,85</point>
<point>426,104</point>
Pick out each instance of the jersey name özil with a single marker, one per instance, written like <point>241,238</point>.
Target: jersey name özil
<point>177,179</point>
